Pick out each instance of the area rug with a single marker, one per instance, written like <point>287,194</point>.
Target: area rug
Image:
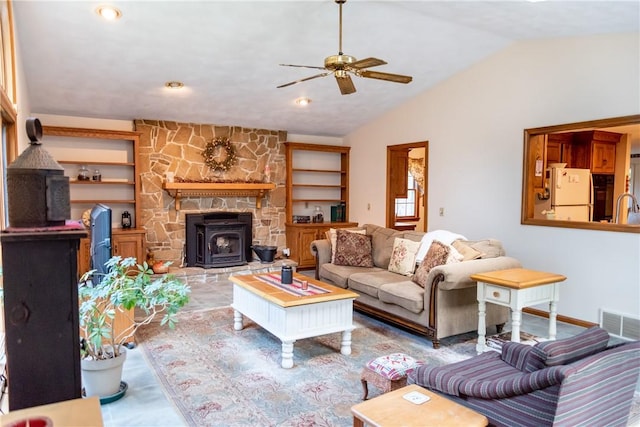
<point>217,376</point>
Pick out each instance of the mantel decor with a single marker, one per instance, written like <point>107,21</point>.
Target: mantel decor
<point>178,190</point>
<point>210,154</point>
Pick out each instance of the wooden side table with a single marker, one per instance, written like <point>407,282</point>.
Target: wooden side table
<point>516,288</point>
<point>75,412</point>
<point>391,409</point>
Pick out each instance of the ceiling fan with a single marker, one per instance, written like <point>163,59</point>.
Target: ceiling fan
<point>341,66</point>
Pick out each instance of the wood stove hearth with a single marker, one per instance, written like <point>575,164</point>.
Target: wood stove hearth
<point>218,239</point>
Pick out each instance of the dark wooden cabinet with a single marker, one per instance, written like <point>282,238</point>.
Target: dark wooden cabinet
<point>40,276</point>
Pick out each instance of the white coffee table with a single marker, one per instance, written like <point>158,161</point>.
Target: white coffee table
<point>293,317</point>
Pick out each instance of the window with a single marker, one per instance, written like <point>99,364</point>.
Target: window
<point>407,209</point>
<point>8,113</point>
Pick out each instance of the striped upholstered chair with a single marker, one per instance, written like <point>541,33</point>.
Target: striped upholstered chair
<point>572,382</point>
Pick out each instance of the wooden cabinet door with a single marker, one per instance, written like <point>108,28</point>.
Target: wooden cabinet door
<point>128,245</point>
<point>554,152</point>
<point>398,172</point>
<point>84,256</point>
<point>305,257</point>
<point>603,158</point>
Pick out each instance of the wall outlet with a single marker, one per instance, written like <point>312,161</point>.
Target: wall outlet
<point>441,211</point>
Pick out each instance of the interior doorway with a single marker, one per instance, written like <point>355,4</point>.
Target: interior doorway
<point>407,164</point>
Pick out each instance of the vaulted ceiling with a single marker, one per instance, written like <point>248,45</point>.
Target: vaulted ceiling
<point>227,54</point>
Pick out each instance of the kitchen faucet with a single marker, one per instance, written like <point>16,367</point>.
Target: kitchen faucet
<point>635,208</point>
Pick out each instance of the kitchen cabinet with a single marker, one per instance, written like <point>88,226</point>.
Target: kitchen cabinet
<point>300,236</point>
<point>559,148</point>
<point>595,150</point>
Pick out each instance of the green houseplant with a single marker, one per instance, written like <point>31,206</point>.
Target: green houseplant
<point>126,287</point>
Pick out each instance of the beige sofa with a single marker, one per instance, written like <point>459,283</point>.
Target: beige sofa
<point>446,306</point>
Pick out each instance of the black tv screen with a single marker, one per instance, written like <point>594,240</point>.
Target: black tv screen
<point>100,239</point>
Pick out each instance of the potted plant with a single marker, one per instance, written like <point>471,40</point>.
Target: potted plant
<point>125,287</point>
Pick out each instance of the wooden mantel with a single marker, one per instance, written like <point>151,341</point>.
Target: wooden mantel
<point>178,190</point>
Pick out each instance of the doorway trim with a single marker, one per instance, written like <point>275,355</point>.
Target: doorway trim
<point>390,204</point>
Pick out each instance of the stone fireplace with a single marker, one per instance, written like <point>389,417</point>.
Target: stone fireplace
<point>218,239</point>
<point>176,148</point>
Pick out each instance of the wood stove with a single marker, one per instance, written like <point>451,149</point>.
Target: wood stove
<point>218,239</point>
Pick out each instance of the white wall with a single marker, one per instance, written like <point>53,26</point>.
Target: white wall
<point>474,123</point>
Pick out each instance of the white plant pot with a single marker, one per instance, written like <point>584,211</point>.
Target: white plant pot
<point>102,377</point>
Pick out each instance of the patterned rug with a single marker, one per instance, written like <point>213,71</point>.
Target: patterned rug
<point>220,377</point>
<point>216,376</point>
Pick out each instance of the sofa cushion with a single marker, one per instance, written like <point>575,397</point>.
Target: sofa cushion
<point>369,282</point>
<point>444,236</point>
<point>467,252</point>
<point>331,236</point>
<point>436,255</point>
<point>339,274</point>
<point>490,248</point>
<point>382,240</point>
<point>568,350</point>
<point>353,249</point>
<point>406,294</point>
<point>403,256</point>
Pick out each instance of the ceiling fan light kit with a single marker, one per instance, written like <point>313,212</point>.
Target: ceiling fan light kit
<point>342,66</point>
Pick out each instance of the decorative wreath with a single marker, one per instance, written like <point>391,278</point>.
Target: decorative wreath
<point>210,151</point>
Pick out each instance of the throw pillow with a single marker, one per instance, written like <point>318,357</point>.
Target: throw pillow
<point>331,236</point>
<point>490,248</point>
<point>467,252</point>
<point>444,236</point>
<point>436,255</point>
<point>353,249</point>
<point>403,256</point>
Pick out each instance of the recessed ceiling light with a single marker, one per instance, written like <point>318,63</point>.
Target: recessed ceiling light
<point>109,13</point>
<point>303,101</point>
<point>174,85</point>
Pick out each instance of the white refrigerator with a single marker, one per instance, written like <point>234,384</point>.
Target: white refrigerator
<point>571,194</point>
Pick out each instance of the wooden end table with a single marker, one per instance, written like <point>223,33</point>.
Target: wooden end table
<point>516,288</point>
<point>74,412</point>
<point>390,409</point>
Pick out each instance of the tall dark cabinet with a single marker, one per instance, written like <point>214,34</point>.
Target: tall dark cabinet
<point>41,316</point>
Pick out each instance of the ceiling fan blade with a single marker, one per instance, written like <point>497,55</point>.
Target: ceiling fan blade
<point>305,79</point>
<point>302,66</point>
<point>396,78</point>
<point>345,84</point>
<point>367,63</point>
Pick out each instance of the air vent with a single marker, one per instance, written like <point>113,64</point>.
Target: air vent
<point>620,325</point>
